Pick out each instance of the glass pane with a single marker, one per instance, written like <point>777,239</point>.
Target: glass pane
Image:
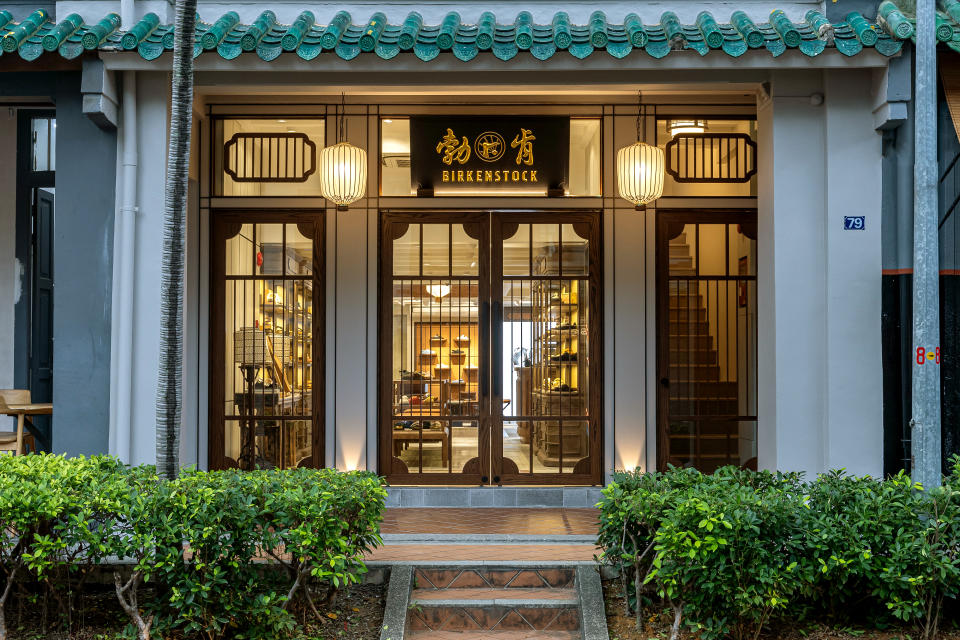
<point>436,355</point>
<point>240,253</point>
<point>713,249</point>
<point>269,350</point>
<point>299,252</point>
<point>717,160</point>
<point>435,446</point>
<point>466,253</point>
<point>406,252</point>
<point>269,241</point>
<point>546,249</point>
<point>268,156</point>
<point>516,252</point>
<point>395,157</point>
<point>743,251</point>
<point>43,132</point>
<point>575,252</point>
<point>585,153</point>
<point>683,252</point>
<point>436,249</point>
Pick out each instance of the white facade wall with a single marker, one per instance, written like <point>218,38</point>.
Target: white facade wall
<point>820,393</point>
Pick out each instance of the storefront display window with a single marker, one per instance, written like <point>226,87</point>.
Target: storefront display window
<point>267,156</point>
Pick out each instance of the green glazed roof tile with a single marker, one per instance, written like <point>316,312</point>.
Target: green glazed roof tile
<point>346,37</point>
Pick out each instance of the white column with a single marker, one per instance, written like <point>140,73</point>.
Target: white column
<point>791,274</point>
<point>854,382</point>
<point>350,315</point>
<point>628,345</point>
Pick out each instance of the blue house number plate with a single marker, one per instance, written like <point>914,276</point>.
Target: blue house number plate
<point>854,223</point>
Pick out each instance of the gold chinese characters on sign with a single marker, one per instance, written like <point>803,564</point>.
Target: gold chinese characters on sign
<point>489,146</point>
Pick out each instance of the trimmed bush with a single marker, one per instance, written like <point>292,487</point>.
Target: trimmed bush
<point>731,551</point>
<point>207,541</point>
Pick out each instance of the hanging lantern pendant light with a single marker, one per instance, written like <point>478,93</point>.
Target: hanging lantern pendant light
<point>640,169</point>
<point>343,167</point>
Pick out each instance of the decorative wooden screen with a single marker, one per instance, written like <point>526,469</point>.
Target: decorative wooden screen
<point>712,157</point>
<point>270,157</point>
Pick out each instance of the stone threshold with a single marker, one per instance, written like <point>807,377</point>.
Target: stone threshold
<point>499,497</point>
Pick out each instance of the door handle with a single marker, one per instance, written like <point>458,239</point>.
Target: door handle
<point>484,375</point>
<point>665,382</point>
<point>496,479</point>
<point>483,479</point>
<point>495,365</point>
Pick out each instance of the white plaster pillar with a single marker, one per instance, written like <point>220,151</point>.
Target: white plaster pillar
<point>791,274</point>
<point>854,370</point>
<point>348,354</point>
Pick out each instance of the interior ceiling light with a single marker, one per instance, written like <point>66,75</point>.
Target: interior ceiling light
<point>640,169</point>
<point>438,290</point>
<point>686,126</point>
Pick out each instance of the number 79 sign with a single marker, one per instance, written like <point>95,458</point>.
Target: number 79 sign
<point>854,223</point>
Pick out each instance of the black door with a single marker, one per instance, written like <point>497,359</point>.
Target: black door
<point>41,321</point>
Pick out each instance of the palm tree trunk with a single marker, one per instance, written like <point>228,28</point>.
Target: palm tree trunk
<point>170,371</point>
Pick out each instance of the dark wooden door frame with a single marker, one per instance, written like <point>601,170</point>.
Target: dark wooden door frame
<point>490,432</point>
<point>594,220</point>
<point>390,227</point>
<point>28,181</point>
<point>662,256</point>
<point>221,222</point>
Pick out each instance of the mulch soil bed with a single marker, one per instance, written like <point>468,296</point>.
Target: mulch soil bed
<point>355,614</point>
<point>657,625</point>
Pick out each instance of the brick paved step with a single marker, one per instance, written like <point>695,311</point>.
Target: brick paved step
<point>524,602</point>
<point>493,635</point>
<point>526,596</point>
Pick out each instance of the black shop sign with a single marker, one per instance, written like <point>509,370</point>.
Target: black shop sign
<point>510,155</point>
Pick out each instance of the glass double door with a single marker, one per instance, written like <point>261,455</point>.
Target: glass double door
<point>489,348</point>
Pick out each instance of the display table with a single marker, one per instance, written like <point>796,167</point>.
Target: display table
<point>403,437</point>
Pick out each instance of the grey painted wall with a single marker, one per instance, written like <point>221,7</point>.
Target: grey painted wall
<point>86,162</point>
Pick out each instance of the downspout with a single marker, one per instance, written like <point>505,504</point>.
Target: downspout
<point>125,271</point>
<point>125,237</point>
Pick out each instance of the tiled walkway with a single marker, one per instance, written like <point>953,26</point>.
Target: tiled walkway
<point>458,525</point>
<point>490,521</point>
<point>433,553</point>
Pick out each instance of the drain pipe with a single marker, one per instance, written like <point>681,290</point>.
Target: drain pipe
<point>125,271</point>
<point>125,233</point>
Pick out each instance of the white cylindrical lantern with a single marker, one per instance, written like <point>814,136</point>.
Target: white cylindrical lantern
<point>343,173</point>
<point>640,169</point>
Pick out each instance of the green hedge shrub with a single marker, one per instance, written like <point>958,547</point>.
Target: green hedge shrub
<point>732,551</point>
<point>204,541</point>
